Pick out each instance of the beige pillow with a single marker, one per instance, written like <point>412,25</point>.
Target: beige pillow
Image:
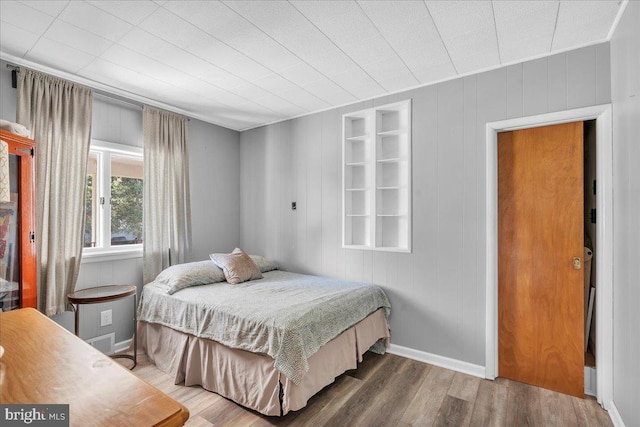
<point>237,266</point>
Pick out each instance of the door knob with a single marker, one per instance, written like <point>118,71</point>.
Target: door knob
<point>577,264</point>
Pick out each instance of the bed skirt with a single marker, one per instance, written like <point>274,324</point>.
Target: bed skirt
<point>251,379</point>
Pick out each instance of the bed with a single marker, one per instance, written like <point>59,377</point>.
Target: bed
<point>268,344</point>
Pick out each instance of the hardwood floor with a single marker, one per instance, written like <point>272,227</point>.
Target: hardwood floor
<point>390,390</point>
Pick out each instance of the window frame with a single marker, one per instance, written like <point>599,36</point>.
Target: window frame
<point>105,150</point>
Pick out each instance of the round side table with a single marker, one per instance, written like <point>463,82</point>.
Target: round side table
<point>104,294</point>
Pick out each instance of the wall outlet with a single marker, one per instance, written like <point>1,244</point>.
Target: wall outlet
<point>106,317</point>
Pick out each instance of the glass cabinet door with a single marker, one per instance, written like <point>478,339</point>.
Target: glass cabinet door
<point>9,241</point>
<point>17,223</point>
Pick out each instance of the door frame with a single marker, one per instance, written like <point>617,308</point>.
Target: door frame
<point>604,236</point>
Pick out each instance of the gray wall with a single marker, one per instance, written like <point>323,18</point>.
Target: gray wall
<point>214,174</point>
<point>214,155</point>
<point>625,94</point>
<point>438,291</point>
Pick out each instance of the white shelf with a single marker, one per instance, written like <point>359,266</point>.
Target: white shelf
<point>376,171</point>
<point>358,138</point>
<point>392,132</point>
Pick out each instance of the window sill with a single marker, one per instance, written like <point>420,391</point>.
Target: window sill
<point>111,255</point>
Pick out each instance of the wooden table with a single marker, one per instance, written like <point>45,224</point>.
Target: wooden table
<point>46,364</point>
<point>103,294</point>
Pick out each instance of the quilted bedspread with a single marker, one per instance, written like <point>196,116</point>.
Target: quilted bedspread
<point>288,316</point>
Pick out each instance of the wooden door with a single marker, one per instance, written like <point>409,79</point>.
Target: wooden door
<point>540,232</point>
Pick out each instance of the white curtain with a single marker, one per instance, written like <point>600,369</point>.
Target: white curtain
<point>167,208</point>
<point>58,114</point>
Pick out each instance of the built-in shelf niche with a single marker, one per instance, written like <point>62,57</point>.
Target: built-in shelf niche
<point>376,149</point>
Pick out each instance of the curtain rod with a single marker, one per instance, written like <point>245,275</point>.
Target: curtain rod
<point>102,94</point>
<point>112,98</point>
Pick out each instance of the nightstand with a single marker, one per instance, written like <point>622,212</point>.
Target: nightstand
<point>104,294</point>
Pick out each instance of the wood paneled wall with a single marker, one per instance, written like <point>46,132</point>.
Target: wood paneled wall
<point>438,291</point>
<point>625,83</point>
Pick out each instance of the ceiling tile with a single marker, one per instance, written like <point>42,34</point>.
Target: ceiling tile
<point>392,74</point>
<point>129,80</point>
<point>351,29</point>
<point>301,97</point>
<point>428,70</point>
<point>387,68</point>
<point>214,51</point>
<point>301,74</point>
<point>332,63</point>
<point>468,31</point>
<point>172,28</point>
<point>176,30</point>
<point>274,83</point>
<point>59,56</point>
<point>281,106</point>
<point>299,35</point>
<point>24,17</point>
<point>351,78</point>
<point>16,41</point>
<point>156,48</point>
<point>145,65</point>
<point>50,7</point>
<point>134,12</point>
<point>409,29</point>
<point>583,22</point>
<point>330,92</point>
<point>94,20</point>
<point>525,28</point>
<point>126,79</point>
<point>248,69</point>
<point>77,38</point>
<point>239,106</point>
<point>250,91</point>
<point>227,26</point>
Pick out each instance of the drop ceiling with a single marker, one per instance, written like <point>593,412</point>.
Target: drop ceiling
<point>242,64</point>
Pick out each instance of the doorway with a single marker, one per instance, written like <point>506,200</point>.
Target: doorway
<point>604,262</point>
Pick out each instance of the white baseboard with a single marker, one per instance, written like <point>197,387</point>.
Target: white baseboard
<point>616,419</point>
<point>434,359</point>
<point>121,346</point>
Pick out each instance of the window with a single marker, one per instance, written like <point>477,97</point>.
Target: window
<point>114,194</point>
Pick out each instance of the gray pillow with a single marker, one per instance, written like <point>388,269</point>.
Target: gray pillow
<point>263,264</point>
<point>182,276</point>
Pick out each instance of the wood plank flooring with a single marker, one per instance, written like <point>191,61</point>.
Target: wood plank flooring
<point>391,390</point>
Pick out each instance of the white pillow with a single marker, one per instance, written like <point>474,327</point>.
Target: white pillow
<point>263,264</point>
<point>182,276</point>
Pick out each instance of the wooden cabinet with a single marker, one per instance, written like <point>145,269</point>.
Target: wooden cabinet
<point>377,178</point>
<point>18,280</point>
